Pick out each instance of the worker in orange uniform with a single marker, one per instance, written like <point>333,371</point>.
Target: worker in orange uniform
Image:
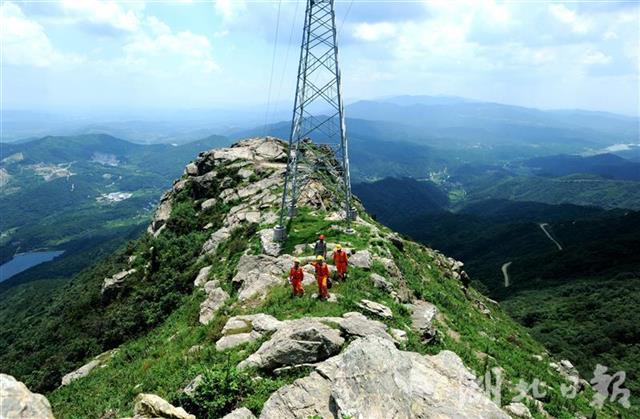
<point>341,260</point>
<point>296,275</point>
<point>322,276</point>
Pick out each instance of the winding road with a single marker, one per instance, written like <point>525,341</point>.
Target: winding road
<point>505,272</point>
<point>544,226</point>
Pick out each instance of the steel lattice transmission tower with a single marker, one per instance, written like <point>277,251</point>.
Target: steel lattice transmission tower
<point>318,111</point>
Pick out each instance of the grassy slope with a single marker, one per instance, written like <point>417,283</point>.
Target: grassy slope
<point>159,362</point>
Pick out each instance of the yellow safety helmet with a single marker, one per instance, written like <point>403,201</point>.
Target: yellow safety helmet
<point>319,257</point>
<point>338,247</point>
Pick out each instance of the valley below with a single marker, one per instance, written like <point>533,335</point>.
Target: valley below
<point>542,225</point>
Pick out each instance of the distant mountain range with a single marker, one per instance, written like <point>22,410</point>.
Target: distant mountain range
<point>431,120</point>
<point>608,166</point>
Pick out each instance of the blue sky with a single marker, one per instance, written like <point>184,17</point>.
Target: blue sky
<point>93,54</point>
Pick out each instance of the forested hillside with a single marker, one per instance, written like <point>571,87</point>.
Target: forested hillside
<point>199,312</point>
<point>586,269</point>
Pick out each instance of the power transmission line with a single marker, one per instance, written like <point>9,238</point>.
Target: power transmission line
<point>273,63</point>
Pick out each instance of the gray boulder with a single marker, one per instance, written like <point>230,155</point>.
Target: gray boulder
<point>191,169</point>
<point>361,259</point>
<point>381,282</point>
<point>209,203</point>
<point>231,341</point>
<point>115,280</point>
<point>17,402</point>
<point>242,413</point>
<point>202,277</point>
<point>423,315</point>
<point>518,410</point>
<point>217,237</point>
<point>373,379</point>
<point>257,273</point>
<point>375,308</point>
<point>247,328</point>
<point>191,388</point>
<point>81,372</point>
<point>99,361</point>
<point>306,398</point>
<point>269,246</point>
<point>390,266</point>
<point>209,307</point>
<point>399,335</point>
<point>357,324</point>
<point>296,342</point>
<point>152,406</point>
<point>162,214</point>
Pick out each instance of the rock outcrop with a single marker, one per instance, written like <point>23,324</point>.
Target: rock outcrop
<point>423,315</point>
<point>17,402</point>
<point>115,280</point>
<point>361,259</point>
<point>216,297</point>
<point>376,308</point>
<point>202,277</point>
<point>150,406</point>
<point>373,379</point>
<point>99,361</point>
<point>296,342</point>
<point>242,413</point>
<point>257,273</point>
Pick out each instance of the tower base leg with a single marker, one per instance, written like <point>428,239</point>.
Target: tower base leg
<point>279,233</point>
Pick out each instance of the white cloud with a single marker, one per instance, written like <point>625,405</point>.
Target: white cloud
<point>374,31</point>
<point>229,9</point>
<point>161,51</point>
<point>24,41</point>
<point>592,57</point>
<point>567,16</point>
<point>105,13</point>
<point>610,36</point>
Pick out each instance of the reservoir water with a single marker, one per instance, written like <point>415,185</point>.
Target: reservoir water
<point>23,261</point>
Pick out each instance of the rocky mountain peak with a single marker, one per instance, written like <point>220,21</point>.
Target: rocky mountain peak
<point>400,336</point>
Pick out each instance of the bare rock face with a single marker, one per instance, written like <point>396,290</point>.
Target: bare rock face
<point>191,388</point>
<point>518,410</point>
<point>162,214</point>
<point>242,413</point>
<point>423,315</point>
<point>151,406</point>
<point>296,342</point>
<point>217,237</point>
<point>380,282</point>
<point>390,266</point>
<point>231,341</point>
<point>202,277</point>
<point>373,379</point>
<point>83,371</point>
<point>244,329</point>
<point>361,259</point>
<point>357,324</point>
<point>216,297</point>
<point>17,402</point>
<point>257,273</point>
<point>376,308</point>
<point>115,280</point>
<point>269,246</point>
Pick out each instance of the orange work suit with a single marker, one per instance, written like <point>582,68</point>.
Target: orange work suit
<point>296,275</point>
<point>340,259</point>
<point>322,276</point>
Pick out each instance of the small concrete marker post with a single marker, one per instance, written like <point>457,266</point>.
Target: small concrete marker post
<point>279,233</point>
